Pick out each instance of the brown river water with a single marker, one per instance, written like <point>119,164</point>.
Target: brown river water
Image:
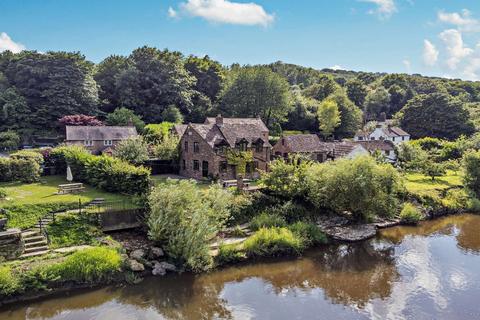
<point>431,271</point>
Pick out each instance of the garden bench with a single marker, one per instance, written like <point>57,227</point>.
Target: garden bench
<point>70,188</point>
<point>233,183</point>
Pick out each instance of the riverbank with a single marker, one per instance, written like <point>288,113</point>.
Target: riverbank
<point>140,259</point>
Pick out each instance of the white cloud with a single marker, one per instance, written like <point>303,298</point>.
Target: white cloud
<point>463,20</point>
<point>430,53</point>
<point>224,11</point>
<point>384,9</point>
<point>337,67</point>
<point>172,13</point>
<point>408,65</point>
<point>6,43</point>
<point>455,47</point>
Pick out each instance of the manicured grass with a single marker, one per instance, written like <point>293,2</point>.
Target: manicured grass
<point>45,192</point>
<point>420,184</point>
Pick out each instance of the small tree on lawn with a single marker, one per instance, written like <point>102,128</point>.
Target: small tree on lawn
<point>133,150</point>
<point>471,168</point>
<point>328,116</point>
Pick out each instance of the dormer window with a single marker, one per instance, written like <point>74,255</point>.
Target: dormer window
<point>259,146</point>
<point>242,146</point>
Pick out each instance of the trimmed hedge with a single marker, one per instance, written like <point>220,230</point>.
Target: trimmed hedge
<point>105,172</point>
<point>19,169</point>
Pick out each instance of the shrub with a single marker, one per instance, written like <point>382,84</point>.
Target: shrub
<point>309,232</point>
<point>287,179</point>
<point>167,148</point>
<point>24,216</point>
<point>266,220</point>
<point>186,218</point>
<point>229,253</point>
<point>107,173</point>
<point>20,169</point>
<point>456,199</point>
<point>8,282</point>
<point>28,155</point>
<point>471,168</point>
<point>88,265</point>
<point>360,186</point>
<point>3,194</point>
<point>133,150</point>
<point>273,242</point>
<point>9,140</point>
<point>410,214</point>
<point>290,211</point>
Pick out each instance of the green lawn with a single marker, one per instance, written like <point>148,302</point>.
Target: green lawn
<point>422,184</point>
<point>45,192</point>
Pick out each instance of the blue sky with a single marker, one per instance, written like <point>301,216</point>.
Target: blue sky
<point>432,37</point>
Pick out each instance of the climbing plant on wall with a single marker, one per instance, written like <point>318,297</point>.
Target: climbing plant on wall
<point>239,159</point>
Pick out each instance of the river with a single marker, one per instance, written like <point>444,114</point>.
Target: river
<point>431,271</point>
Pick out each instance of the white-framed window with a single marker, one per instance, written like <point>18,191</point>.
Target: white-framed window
<point>88,143</point>
<point>107,142</point>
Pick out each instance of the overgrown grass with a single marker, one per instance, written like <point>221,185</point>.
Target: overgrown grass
<point>24,216</point>
<point>410,214</point>
<point>92,265</point>
<point>309,232</point>
<point>45,192</point>
<point>266,220</point>
<point>229,253</point>
<point>71,230</point>
<point>273,242</point>
<point>417,183</point>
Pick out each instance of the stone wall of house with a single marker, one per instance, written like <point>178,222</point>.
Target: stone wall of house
<point>11,244</point>
<point>215,160</point>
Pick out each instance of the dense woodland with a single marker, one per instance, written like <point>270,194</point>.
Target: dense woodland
<point>38,89</point>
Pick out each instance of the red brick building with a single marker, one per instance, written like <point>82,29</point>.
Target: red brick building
<point>204,147</point>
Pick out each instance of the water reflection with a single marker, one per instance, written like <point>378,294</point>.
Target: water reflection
<point>424,272</point>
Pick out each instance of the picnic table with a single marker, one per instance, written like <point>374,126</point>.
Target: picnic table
<point>233,183</point>
<point>70,188</point>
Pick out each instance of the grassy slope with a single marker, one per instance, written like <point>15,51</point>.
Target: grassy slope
<point>417,182</point>
<point>45,192</point>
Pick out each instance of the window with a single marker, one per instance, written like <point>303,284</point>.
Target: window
<point>393,139</point>
<point>107,142</point>
<point>223,166</point>
<point>242,146</point>
<point>88,143</point>
<point>196,147</point>
<point>196,165</point>
<point>259,147</point>
<point>184,164</point>
<point>283,142</point>
<point>403,138</point>
<point>372,138</point>
<point>185,147</point>
<point>360,138</point>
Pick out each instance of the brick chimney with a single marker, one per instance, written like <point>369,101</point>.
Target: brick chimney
<point>219,120</point>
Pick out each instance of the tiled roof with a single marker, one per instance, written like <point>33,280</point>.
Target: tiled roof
<point>383,145</point>
<point>343,148</point>
<point>96,133</point>
<point>232,131</point>
<point>305,143</point>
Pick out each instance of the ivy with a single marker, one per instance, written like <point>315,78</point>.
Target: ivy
<point>239,159</point>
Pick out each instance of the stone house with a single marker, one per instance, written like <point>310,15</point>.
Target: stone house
<point>383,131</point>
<point>204,147</point>
<point>98,139</point>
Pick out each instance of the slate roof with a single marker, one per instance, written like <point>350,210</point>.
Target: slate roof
<point>96,133</point>
<point>343,148</point>
<point>180,129</point>
<point>232,131</point>
<point>306,143</point>
<point>389,131</point>
<point>383,145</point>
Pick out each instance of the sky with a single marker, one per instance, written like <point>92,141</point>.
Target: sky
<point>430,37</point>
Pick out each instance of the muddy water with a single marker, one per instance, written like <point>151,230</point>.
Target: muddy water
<point>427,272</point>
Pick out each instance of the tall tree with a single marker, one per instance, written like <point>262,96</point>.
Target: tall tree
<point>303,115</point>
<point>153,81</point>
<point>14,111</point>
<point>53,84</point>
<point>350,115</point>
<point>435,115</point>
<point>328,116</point>
<point>257,91</point>
<point>357,91</point>
<point>209,75</point>
<point>325,86</point>
<point>125,117</point>
<point>107,73</point>
<point>377,102</point>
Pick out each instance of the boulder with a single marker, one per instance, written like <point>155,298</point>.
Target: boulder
<point>137,254</point>
<point>156,252</point>
<point>135,266</point>
<point>161,268</point>
<point>353,233</point>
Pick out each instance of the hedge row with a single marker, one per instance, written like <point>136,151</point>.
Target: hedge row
<point>105,172</point>
<point>24,170</point>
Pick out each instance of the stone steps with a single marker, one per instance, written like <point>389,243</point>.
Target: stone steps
<point>33,254</point>
<point>31,239</point>
<point>40,243</point>
<point>35,243</point>
<point>35,249</point>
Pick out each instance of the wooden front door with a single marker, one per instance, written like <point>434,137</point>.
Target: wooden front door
<point>205,169</point>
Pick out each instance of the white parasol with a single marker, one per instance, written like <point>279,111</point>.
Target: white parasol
<point>69,174</point>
